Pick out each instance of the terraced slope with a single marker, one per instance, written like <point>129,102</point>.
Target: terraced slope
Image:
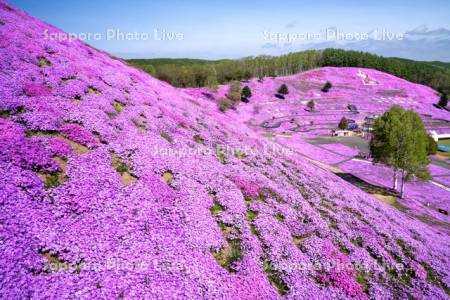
<point>115,185</point>
<point>370,91</point>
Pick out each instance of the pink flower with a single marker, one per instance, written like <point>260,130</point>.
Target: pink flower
<point>36,90</point>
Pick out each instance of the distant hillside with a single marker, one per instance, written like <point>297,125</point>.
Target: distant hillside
<point>116,185</point>
<point>197,72</point>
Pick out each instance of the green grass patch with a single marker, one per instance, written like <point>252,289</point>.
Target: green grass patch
<point>361,278</point>
<point>275,278</point>
<point>93,90</point>
<point>123,169</point>
<point>199,140</point>
<point>435,279</point>
<point>166,136</point>
<point>9,113</point>
<point>253,230</point>
<point>279,217</point>
<point>327,206</point>
<point>229,254</point>
<point>216,208</point>
<point>445,154</point>
<point>251,215</point>
<point>353,212</point>
<point>298,239</point>
<point>111,114</point>
<point>119,107</point>
<point>43,62</point>
<point>343,249</point>
<point>138,125</point>
<point>358,241</point>
<point>4,114</point>
<point>240,155</point>
<point>221,156</point>
<point>120,167</point>
<point>52,180</point>
<point>407,250</point>
<point>265,193</point>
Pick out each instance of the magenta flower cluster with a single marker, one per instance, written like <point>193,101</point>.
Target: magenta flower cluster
<point>112,187</point>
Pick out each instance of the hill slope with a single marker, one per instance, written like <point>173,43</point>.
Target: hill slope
<point>370,91</point>
<point>117,185</point>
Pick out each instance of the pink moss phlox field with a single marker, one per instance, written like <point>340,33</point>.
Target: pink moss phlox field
<point>77,134</point>
<point>113,186</point>
<point>420,195</point>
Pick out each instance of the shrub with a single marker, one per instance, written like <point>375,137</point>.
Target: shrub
<point>246,92</point>
<point>326,87</point>
<point>443,101</point>
<point>311,105</point>
<point>343,123</point>
<point>283,90</point>
<point>224,104</point>
<point>234,93</point>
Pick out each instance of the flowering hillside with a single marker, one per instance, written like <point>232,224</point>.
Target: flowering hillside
<point>370,91</point>
<point>114,185</point>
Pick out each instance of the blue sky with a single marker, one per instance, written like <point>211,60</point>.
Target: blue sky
<point>218,29</point>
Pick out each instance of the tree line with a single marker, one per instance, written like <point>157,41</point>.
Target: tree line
<point>199,73</point>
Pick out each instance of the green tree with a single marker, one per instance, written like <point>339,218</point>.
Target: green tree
<point>283,90</point>
<point>211,83</point>
<point>311,105</point>
<point>246,92</point>
<point>383,141</point>
<point>247,75</point>
<point>211,78</point>
<point>432,145</point>
<point>326,87</point>
<point>400,141</point>
<point>343,123</point>
<point>150,69</point>
<point>443,101</point>
<point>413,158</point>
<point>234,93</point>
